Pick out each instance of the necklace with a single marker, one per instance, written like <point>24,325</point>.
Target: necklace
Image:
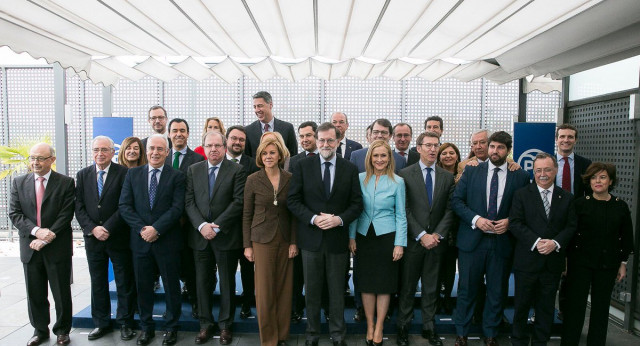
<point>275,196</point>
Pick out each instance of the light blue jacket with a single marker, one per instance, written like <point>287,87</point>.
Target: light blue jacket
<point>384,205</point>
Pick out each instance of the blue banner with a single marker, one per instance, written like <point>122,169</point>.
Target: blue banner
<point>115,128</point>
<point>531,138</point>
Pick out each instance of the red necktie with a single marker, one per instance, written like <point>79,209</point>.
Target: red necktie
<point>566,175</point>
<point>311,154</point>
<point>266,127</point>
<point>402,153</point>
<point>39,196</point>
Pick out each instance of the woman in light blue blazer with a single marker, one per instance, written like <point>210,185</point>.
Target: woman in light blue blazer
<point>378,236</point>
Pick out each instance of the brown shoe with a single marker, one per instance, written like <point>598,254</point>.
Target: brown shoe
<point>63,339</point>
<point>225,337</point>
<point>461,340</point>
<point>205,334</point>
<point>491,341</point>
<point>37,340</point>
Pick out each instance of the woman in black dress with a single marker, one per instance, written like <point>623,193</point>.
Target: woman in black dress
<point>597,255</point>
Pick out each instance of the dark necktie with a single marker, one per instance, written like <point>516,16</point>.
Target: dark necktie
<point>339,150</point>
<point>100,182</point>
<point>428,182</point>
<point>326,179</point>
<point>235,160</point>
<point>266,127</point>
<point>492,212</point>
<point>311,154</point>
<point>212,180</point>
<point>176,160</point>
<point>153,187</point>
<point>566,175</point>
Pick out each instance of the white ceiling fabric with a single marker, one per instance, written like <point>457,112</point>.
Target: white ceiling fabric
<point>501,40</point>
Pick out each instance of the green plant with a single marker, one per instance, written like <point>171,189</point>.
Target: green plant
<point>17,157</point>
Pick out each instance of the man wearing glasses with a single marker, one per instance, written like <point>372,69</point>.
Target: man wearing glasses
<point>381,129</point>
<point>42,209</point>
<point>402,134</point>
<point>157,118</point>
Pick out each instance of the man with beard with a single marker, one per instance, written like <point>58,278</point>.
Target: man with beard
<point>482,200</point>
<point>325,197</point>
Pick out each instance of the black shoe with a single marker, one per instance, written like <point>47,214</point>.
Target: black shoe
<point>369,342</point>
<point>170,338</point>
<point>310,343</point>
<point>126,333</point>
<point>296,317</point>
<point>339,343</point>
<point>403,336</point>
<point>282,343</point>
<point>432,337</point>
<point>145,338</point>
<point>359,315</point>
<point>377,343</point>
<point>97,333</point>
<point>245,312</point>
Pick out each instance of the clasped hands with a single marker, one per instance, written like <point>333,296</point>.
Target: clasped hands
<point>207,231</point>
<point>545,246</point>
<point>326,221</point>
<point>100,233</point>
<point>149,234</point>
<point>497,227</point>
<point>44,236</point>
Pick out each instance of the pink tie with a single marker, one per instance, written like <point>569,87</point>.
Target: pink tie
<point>39,196</point>
<point>266,127</point>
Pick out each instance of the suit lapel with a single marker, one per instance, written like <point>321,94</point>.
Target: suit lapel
<point>439,187</point>
<point>556,200</point>
<point>201,174</point>
<point>144,181</point>
<point>30,191</point>
<point>416,176</point>
<point>536,196</point>
<point>316,176</point>
<point>51,186</point>
<point>221,176</point>
<point>107,183</point>
<point>93,182</point>
<point>484,171</point>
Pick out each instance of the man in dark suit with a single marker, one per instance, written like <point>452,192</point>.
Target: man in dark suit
<point>307,136</point>
<point>429,220</point>
<point>42,209</point>
<point>216,212</point>
<point>325,197</point>
<point>181,158</point>
<point>346,146</point>
<point>262,105</point>
<point>106,237</point>
<point>402,134</point>
<point>152,202</point>
<point>543,221</point>
<point>236,139</point>
<point>157,118</point>
<point>482,200</point>
<point>380,129</point>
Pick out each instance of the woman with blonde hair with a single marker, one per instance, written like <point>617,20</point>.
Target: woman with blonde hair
<point>210,124</point>
<point>132,153</point>
<point>285,163</point>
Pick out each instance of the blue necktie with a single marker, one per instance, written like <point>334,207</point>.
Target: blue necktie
<point>492,212</point>
<point>153,187</point>
<point>100,182</point>
<point>326,179</point>
<point>428,182</point>
<point>212,180</point>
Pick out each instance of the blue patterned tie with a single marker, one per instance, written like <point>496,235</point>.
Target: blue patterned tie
<point>153,187</point>
<point>100,182</point>
<point>212,180</point>
<point>428,182</point>
<point>545,202</point>
<point>492,212</point>
<point>326,179</point>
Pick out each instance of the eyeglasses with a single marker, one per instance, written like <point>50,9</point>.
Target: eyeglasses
<point>377,132</point>
<point>540,170</point>
<point>101,150</point>
<point>239,139</point>
<point>39,158</point>
<point>328,141</point>
<point>217,146</point>
<point>430,145</point>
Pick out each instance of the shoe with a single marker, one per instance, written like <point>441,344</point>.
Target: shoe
<point>310,343</point>
<point>205,334</point>
<point>461,340</point>
<point>37,340</point>
<point>225,337</point>
<point>145,338</point>
<point>194,311</point>
<point>359,316</point>
<point>126,333</point>
<point>296,317</point>
<point>97,333</point>
<point>432,337</point>
<point>170,338</point>
<point>403,337</point>
<point>341,343</point>
<point>245,312</point>
<point>369,342</point>
<point>63,339</point>
<point>282,343</point>
<point>376,343</point>
<point>491,342</point>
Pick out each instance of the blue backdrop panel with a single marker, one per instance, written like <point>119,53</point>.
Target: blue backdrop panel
<point>531,138</point>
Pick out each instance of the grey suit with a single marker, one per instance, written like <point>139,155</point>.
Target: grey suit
<point>419,262</point>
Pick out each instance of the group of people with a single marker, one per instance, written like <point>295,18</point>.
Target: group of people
<point>293,220</point>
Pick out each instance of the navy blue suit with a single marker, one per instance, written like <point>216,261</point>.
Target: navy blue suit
<point>164,216</point>
<point>358,157</point>
<point>350,146</point>
<point>481,253</point>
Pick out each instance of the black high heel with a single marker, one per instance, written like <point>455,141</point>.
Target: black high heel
<point>377,343</point>
<point>369,342</point>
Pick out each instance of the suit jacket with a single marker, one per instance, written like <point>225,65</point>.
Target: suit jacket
<point>224,209</point>
<point>189,159</point>
<point>528,222</point>
<point>580,165</point>
<point>248,165</point>
<point>261,219</point>
<point>307,198</point>
<point>384,206</point>
<point>413,157</point>
<point>439,217</point>
<point>358,157</point>
<point>294,159</point>
<point>350,146</point>
<point>254,132</point>
<point>164,216</point>
<point>464,163</point>
<point>57,213</point>
<point>470,199</point>
<point>93,211</point>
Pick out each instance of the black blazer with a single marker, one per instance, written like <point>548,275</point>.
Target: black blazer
<point>254,132</point>
<point>528,222</point>
<point>580,166</point>
<point>294,159</point>
<point>350,146</point>
<point>92,211</point>
<point>165,214</point>
<point>414,157</point>
<point>189,159</point>
<point>307,198</point>
<point>57,213</point>
<point>224,209</point>
<point>248,165</point>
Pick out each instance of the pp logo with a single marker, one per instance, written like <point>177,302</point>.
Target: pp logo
<point>526,159</point>
<point>115,155</point>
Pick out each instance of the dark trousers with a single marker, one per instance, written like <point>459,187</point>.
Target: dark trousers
<point>579,280</point>
<point>447,276</point>
<point>482,263</point>
<point>98,261</point>
<point>537,290</point>
<point>322,267</point>
<point>167,263</point>
<point>188,273</point>
<point>247,275</point>
<point>298,285</point>
<point>227,263</point>
<point>57,273</point>
<point>423,264</point>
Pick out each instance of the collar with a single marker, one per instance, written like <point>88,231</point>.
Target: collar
<point>106,170</point>
<point>46,176</point>
<point>151,168</point>
<point>209,165</point>
<point>481,161</point>
<point>230,158</point>
<point>183,151</point>
<point>423,166</point>
<point>502,167</point>
<point>344,141</point>
<point>559,156</point>
<point>333,160</point>
<point>307,152</point>
<point>271,123</point>
<point>550,189</point>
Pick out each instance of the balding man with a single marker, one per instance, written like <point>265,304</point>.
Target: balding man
<point>42,209</point>
<point>345,146</point>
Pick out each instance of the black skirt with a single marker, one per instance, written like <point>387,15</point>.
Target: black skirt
<point>376,271</point>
